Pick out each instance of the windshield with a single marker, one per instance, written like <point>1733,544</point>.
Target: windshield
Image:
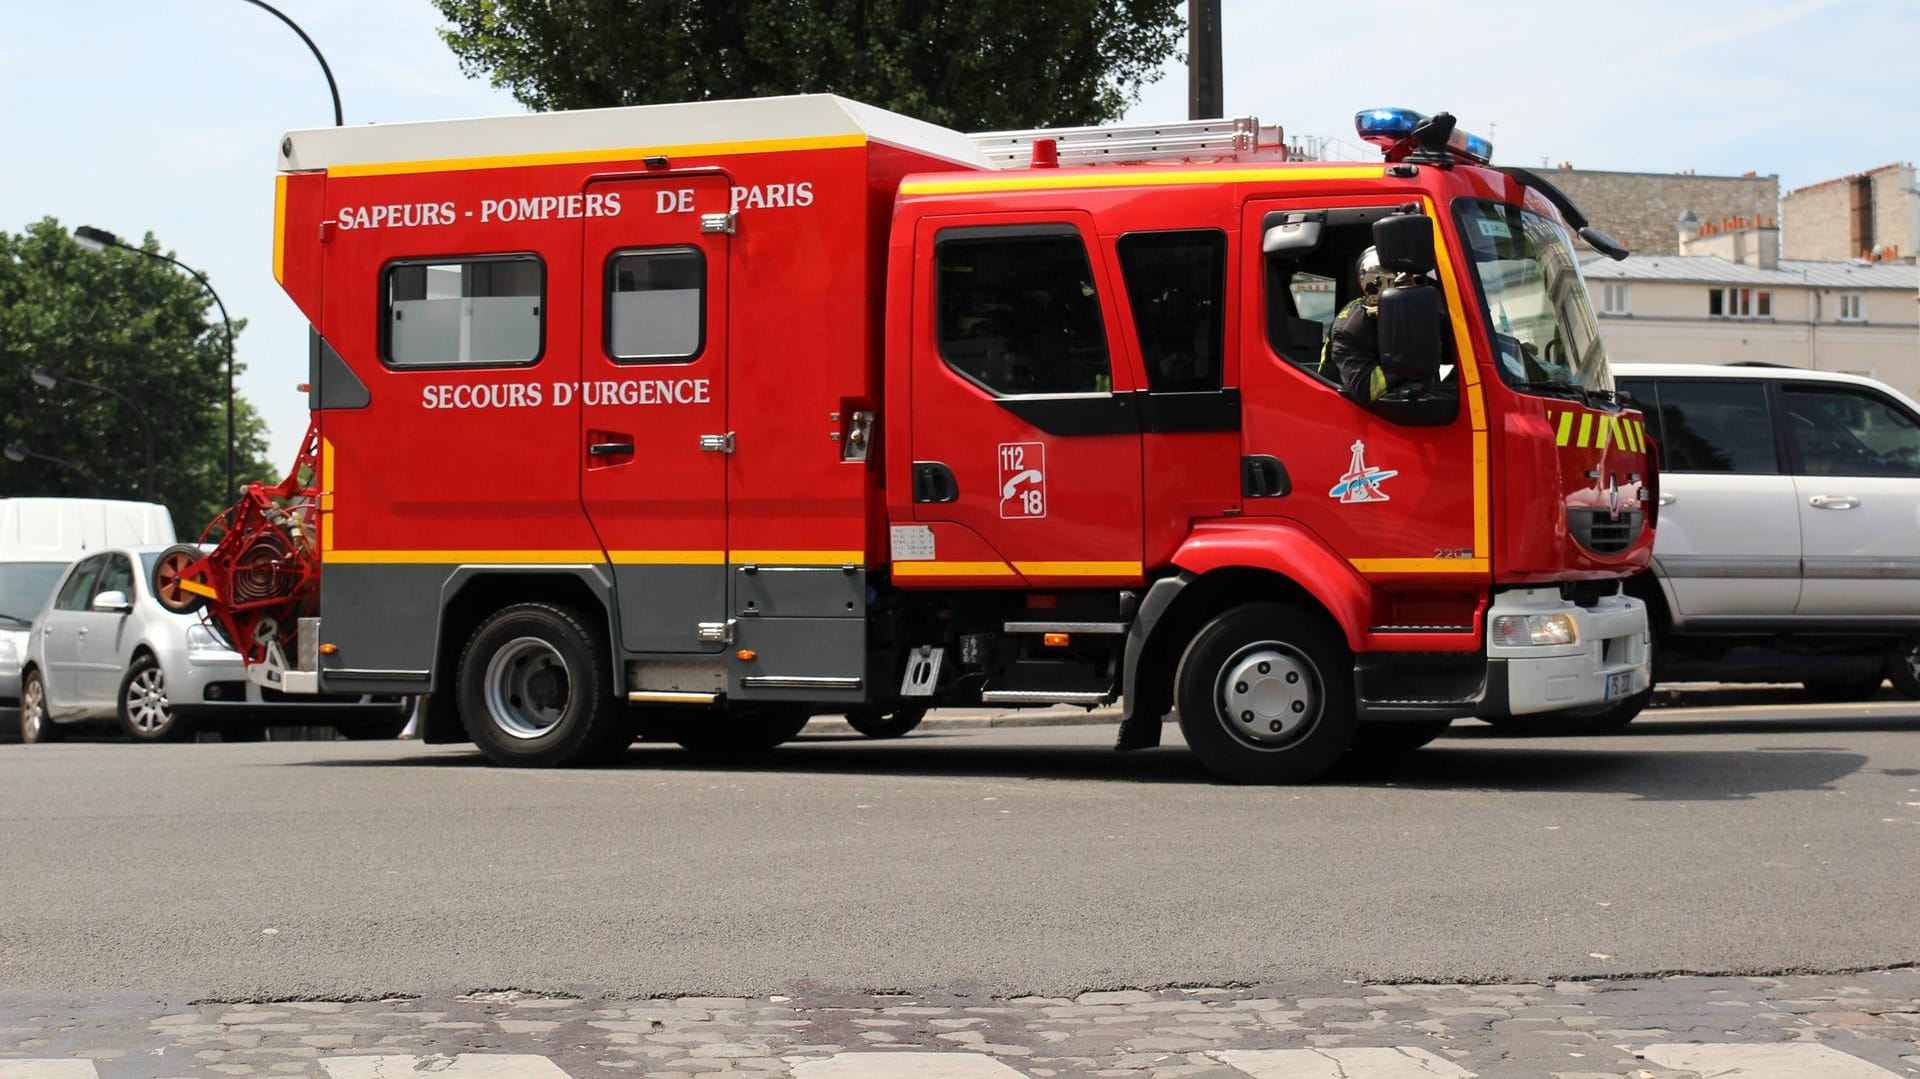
<point>24,588</point>
<point>1544,333</point>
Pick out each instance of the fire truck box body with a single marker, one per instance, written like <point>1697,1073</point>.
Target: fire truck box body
<point>805,402</point>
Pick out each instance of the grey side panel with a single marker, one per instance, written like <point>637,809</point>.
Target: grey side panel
<point>1725,566</point>
<point>1844,568</point>
<point>330,382</point>
<point>661,607</point>
<point>799,592</point>
<point>383,618</point>
<point>801,659</point>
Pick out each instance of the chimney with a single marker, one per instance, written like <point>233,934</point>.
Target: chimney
<point>1689,226</point>
<point>1749,241</point>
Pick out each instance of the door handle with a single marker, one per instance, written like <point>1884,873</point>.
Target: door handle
<point>934,482</point>
<point>717,443</point>
<point>1833,502</point>
<point>1263,476</point>
<point>1668,500</point>
<point>610,449</point>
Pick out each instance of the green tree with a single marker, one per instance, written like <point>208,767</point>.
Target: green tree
<point>118,319</point>
<point>973,65</point>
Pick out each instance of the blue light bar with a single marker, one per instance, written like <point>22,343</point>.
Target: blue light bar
<point>1389,129</point>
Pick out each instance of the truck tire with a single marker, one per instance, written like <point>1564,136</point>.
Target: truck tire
<point>1265,694</point>
<point>534,689</point>
<point>1376,741</point>
<point>892,724</point>
<point>146,715</point>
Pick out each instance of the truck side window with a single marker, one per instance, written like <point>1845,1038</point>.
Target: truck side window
<point>1843,432</point>
<point>452,312</point>
<point>1177,287</point>
<point>1717,426</point>
<point>1018,312</point>
<point>656,305</point>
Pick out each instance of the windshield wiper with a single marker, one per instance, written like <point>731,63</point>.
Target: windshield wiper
<point>1551,388</point>
<point>24,622</point>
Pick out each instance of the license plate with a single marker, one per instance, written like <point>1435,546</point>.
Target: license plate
<point>1619,685</point>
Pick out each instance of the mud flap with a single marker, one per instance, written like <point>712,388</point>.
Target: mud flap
<point>1139,730</point>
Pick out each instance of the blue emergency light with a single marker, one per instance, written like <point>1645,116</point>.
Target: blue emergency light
<point>1392,131</point>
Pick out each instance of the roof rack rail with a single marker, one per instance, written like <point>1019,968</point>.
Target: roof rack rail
<point>1127,143</point>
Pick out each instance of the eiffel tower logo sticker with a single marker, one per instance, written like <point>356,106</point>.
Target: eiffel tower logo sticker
<point>1361,482</point>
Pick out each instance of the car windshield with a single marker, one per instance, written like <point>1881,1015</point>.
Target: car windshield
<point>24,588</point>
<point>1544,333</point>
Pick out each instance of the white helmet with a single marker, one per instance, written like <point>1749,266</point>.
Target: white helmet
<point>1372,279</point>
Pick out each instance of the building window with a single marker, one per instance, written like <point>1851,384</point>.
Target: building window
<point>483,311</point>
<point>1177,287</point>
<point>1018,312</point>
<point>1739,303</point>
<point>1853,307</point>
<point>656,304</point>
<point>1615,299</point>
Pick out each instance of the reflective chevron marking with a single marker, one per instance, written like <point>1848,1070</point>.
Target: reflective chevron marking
<point>1798,1060</point>
<point>1399,1062</point>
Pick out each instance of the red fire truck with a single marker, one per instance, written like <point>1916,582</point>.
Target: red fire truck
<point>692,421</point>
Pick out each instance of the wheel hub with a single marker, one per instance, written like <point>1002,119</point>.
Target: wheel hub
<point>527,688</point>
<point>1268,694</point>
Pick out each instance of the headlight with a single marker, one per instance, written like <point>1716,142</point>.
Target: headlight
<point>204,641</point>
<point>1519,630</point>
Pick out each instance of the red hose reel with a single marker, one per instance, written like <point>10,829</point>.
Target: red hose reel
<point>263,574</point>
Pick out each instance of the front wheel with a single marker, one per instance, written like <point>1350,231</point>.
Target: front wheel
<point>36,725</point>
<point>1265,694</point>
<point>534,688</point>
<point>894,724</point>
<point>146,715</point>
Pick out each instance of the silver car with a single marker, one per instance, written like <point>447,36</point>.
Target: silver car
<point>104,649</point>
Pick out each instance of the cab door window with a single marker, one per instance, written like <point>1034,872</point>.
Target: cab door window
<point>1017,310</point>
<point>1848,433</point>
<point>1177,288</point>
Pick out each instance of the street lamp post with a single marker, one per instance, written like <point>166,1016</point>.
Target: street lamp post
<point>48,378</point>
<point>100,239</point>
<point>18,453</point>
<point>324,69</point>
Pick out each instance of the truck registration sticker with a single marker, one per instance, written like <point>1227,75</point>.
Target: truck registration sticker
<point>1023,480</point>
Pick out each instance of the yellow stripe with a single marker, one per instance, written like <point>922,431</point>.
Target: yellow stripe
<point>800,558</point>
<point>1586,428</point>
<point>1606,433</point>
<point>198,589</point>
<point>1566,429</point>
<point>663,558</point>
<point>1639,436</point>
<point>1419,565</point>
<point>952,569</point>
<point>326,499</point>
<point>448,558</point>
<point>279,228</point>
<point>1079,569</point>
<point>1050,180</point>
<point>1476,400</point>
<point>585,157</point>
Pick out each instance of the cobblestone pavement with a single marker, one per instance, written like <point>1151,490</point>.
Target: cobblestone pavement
<point>1853,1026</point>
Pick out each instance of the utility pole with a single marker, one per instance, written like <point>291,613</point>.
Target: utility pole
<point>1204,95</point>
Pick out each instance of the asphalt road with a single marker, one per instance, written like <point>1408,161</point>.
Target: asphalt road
<point>1010,860</point>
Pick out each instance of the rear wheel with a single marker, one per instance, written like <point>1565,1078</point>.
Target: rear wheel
<point>534,689</point>
<point>146,715</point>
<point>35,725</point>
<point>1836,690</point>
<point>1265,694</point>
<point>876,724</point>
<point>1394,739</point>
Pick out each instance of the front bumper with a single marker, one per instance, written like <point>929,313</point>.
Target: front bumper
<point>1612,658</point>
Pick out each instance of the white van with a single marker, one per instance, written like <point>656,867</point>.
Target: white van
<point>39,538</point>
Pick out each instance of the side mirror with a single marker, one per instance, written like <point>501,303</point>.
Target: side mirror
<point>1410,325</point>
<point>112,603</point>
<point>1294,234</point>
<point>1404,243</point>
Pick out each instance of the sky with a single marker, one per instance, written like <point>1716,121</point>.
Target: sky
<point>163,115</point>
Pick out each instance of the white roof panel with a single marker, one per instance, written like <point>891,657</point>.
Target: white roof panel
<point>632,131</point>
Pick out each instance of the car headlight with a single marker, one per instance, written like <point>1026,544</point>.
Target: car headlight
<point>1520,630</point>
<point>202,641</point>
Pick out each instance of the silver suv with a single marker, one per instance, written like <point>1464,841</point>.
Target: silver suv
<point>104,649</point>
<point>1788,543</point>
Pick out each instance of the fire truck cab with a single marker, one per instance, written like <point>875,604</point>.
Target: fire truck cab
<point>692,421</point>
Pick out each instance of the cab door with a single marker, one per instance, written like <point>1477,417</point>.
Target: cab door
<point>1025,431</point>
<point>654,434</point>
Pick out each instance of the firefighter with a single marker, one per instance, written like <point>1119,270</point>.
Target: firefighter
<point>1350,353</point>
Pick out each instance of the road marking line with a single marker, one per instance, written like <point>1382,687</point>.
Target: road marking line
<point>1801,1060</point>
<point>440,1066</point>
<point>1399,1062</point>
<point>48,1069</point>
<point>949,1065</point>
